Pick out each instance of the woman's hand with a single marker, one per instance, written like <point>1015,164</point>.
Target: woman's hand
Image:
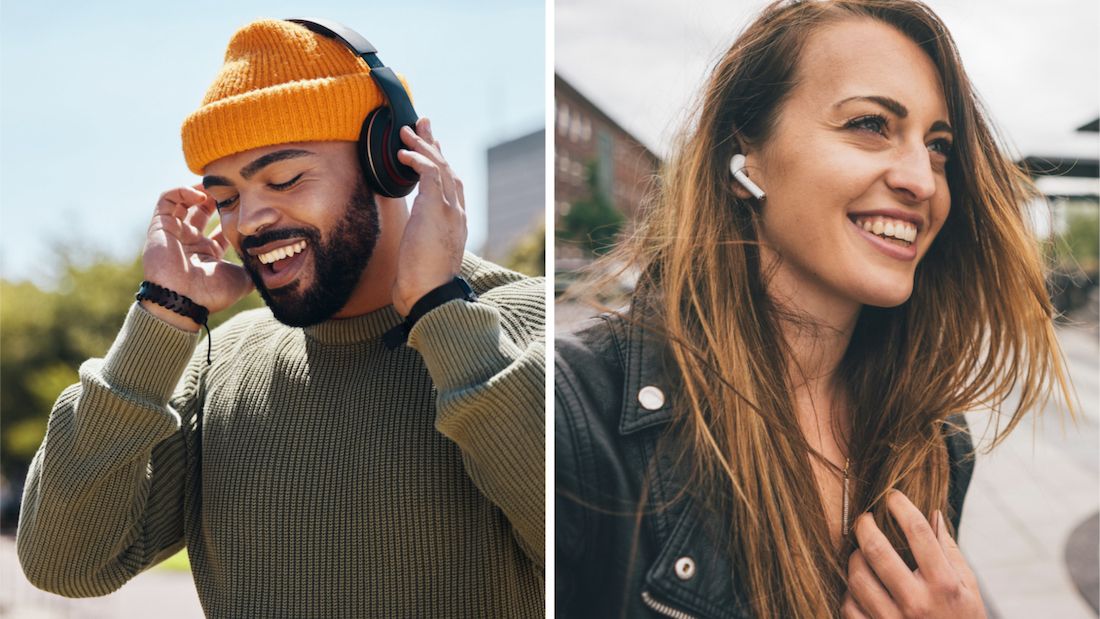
<point>880,584</point>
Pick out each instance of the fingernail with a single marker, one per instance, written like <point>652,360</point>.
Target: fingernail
<point>939,523</point>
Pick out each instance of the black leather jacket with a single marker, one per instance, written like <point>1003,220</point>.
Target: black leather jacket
<point>612,405</point>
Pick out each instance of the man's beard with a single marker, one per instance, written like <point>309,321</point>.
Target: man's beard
<point>337,264</point>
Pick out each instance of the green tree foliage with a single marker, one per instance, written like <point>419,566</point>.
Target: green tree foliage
<point>529,255</point>
<point>594,222</point>
<point>1083,237</point>
<point>47,333</point>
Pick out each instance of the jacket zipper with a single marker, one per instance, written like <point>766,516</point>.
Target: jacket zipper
<point>664,609</point>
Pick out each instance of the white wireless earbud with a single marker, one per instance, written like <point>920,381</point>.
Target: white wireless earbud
<point>737,168</point>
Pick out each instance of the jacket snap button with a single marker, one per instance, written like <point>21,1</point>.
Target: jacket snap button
<point>685,568</point>
<point>651,398</point>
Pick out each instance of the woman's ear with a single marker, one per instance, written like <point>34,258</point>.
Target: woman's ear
<point>744,187</point>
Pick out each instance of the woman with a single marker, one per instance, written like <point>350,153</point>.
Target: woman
<point>836,267</point>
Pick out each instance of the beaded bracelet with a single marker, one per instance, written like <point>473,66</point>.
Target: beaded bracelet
<point>178,303</point>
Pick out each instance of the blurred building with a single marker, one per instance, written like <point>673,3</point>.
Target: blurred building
<point>587,140</point>
<point>516,193</point>
<point>1080,164</point>
<point>1069,179</point>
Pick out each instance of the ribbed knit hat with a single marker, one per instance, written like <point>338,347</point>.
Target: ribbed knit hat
<point>280,83</point>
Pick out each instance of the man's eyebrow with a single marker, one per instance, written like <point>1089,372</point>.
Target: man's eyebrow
<point>215,181</point>
<point>897,108</point>
<point>251,169</point>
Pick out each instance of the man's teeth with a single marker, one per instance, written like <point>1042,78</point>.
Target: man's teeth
<point>894,228</point>
<point>282,252</point>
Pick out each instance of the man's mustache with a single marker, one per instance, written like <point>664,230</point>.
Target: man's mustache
<point>259,240</point>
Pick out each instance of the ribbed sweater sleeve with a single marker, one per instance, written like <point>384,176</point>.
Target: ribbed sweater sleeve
<point>103,499</point>
<point>487,361</point>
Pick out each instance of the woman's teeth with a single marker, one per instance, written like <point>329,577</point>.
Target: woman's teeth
<point>282,252</point>
<point>888,228</point>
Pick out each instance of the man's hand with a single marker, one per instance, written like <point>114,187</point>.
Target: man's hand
<point>430,253</point>
<point>178,256</point>
<point>880,584</point>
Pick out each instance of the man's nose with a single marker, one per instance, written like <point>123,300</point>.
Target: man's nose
<point>254,215</point>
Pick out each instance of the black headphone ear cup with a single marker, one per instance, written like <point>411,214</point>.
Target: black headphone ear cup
<point>379,141</point>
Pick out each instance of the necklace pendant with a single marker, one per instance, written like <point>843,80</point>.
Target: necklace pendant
<point>844,513</point>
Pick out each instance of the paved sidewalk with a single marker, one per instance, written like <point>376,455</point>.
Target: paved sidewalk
<point>1030,494</point>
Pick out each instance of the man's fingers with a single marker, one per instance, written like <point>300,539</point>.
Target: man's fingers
<point>460,190</point>
<point>428,135</point>
<point>422,142</point>
<point>198,217</point>
<point>425,167</point>
<point>219,237</point>
<point>176,202</point>
<point>883,559</point>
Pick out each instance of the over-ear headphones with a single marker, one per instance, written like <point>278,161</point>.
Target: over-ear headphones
<point>379,139</point>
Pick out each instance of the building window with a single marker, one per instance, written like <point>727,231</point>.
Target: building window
<point>563,163</point>
<point>563,118</point>
<point>575,124</point>
<point>605,153</point>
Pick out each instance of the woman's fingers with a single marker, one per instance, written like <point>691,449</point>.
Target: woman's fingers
<point>849,608</point>
<point>868,592</point>
<point>927,551</point>
<point>883,559</point>
<point>950,547</point>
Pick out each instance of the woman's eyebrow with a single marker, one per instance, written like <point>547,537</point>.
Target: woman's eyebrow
<point>893,105</point>
<point>897,108</point>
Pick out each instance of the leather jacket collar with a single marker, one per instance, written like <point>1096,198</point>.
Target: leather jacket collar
<point>614,401</point>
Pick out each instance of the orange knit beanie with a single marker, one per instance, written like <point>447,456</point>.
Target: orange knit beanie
<point>280,83</point>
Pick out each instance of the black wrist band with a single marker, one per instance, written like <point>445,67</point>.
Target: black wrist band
<point>176,302</point>
<point>457,288</point>
<point>172,300</point>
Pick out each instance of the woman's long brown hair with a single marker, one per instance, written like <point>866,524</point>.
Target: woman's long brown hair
<point>977,326</point>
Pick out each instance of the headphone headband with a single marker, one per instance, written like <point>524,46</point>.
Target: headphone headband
<point>378,145</point>
<point>333,30</point>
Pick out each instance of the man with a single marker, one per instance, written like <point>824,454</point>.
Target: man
<point>310,467</point>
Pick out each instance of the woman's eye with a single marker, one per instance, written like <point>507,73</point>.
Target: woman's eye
<point>874,123</point>
<point>286,185</point>
<point>941,146</point>
<point>226,203</point>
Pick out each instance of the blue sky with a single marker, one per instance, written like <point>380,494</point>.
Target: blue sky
<point>91,105</point>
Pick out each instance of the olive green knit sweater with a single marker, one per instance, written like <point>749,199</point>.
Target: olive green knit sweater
<point>332,477</point>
